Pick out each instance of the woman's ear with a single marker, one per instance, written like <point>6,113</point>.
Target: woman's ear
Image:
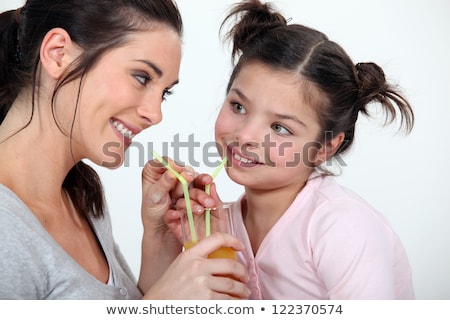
<point>57,52</point>
<point>329,148</point>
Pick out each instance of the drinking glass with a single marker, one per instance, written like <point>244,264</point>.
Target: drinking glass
<point>218,219</point>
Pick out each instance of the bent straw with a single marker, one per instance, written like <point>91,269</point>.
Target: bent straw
<point>185,191</point>
<point>208,192</point>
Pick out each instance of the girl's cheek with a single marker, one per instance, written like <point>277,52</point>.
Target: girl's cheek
<point>285,155</point>
<point>223,125</point>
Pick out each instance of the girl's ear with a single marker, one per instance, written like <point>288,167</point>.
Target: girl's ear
<point>329,148</point>
<point>57,52</point>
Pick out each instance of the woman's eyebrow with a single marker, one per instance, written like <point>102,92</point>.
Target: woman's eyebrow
<point>157,69</point>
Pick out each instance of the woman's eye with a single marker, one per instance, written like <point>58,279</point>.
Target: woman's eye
<point>143,78</point>
<point>238,108</point>
<point>278,128</point>
<point>167,93</point>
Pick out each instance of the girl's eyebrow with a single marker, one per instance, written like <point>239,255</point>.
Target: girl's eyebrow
<point>240,94</point>
<point>290,117</point>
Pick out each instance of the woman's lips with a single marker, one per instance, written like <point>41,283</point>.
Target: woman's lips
<point>123,131</point>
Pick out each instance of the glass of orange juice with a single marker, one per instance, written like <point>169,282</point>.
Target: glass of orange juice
<point>220,220</point>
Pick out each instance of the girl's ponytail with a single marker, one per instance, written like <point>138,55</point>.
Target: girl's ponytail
<point>374,88</point>
<point>253,19</point>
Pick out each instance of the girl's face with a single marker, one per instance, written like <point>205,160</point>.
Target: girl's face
<point>122,95</point>
<point>267,130</point>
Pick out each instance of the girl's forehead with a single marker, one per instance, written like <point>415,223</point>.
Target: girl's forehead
<point>278,88</point>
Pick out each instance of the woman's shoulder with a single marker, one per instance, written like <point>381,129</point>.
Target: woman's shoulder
<point>12,208</point>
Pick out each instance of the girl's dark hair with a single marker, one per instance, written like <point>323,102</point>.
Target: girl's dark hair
<point>97,26</point>
<point>261,34</point>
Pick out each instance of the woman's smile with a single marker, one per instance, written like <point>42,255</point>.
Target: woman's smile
<point>125,132</point>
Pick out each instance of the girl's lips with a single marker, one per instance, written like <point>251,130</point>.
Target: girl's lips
<point>240,160</point>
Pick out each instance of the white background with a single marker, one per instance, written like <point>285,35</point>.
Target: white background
<point>405,177</point>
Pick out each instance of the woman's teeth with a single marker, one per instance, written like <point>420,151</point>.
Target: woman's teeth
<point>123,130</point>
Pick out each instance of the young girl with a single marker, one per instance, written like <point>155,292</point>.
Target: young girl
<point>292,103</point>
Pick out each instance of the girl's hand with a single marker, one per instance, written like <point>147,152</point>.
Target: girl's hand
<point>199,201</point>
<point>193,276</point>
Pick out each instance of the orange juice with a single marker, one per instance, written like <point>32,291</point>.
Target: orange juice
<point>223,252</point>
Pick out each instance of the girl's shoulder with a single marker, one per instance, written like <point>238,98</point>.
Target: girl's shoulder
<point>324,189</point>
<point>332,204</point>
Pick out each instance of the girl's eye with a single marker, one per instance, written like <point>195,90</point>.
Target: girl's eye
<point>167,93</point>
<point>278,128</point>
<point>238,108</point>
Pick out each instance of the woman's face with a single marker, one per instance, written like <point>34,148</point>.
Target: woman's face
<point>267,130</point>
<point>122,95</point>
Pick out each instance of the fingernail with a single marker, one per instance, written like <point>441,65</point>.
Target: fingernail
<point>188,173</point>
<point>197,208</point>
<point>169,177</point>
<point>156,197</point>
<point>210,203</point>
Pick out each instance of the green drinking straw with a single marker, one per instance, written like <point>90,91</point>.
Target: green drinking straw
<point>185,191</point>
<point>208,192</point>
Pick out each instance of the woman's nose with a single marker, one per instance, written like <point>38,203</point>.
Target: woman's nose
<point>150,109</point>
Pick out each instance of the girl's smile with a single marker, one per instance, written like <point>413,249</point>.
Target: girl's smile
<point>238,159</point>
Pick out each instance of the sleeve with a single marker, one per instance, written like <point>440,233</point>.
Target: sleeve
<point>353,251</point>
<point>19,271</point>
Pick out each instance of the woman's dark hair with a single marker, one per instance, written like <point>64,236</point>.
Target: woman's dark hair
<point>97,26</point>
<point>261,34</point>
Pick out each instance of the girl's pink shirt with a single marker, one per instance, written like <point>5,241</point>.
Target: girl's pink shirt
<point>329,244</point>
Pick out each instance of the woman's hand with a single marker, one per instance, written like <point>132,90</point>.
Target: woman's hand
<point>161,190</point>
<point>193,276</point>
<point>160,247</point>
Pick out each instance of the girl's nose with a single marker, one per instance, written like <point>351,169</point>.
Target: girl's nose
<point>249,134</point>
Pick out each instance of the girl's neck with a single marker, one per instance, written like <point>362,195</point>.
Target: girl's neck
<point>261,209</point>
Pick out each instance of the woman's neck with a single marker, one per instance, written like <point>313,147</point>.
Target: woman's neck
<point>35,158</point>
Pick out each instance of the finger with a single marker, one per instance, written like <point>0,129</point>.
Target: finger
<point>215,241</point>
<point>213,194</point>
<point>195,206</point>
<point>202,198</point>
<point>231,288</point>
<point>202,180</point>
<point>189,173</point>
<point>152,171</point>
<point>156,195</point>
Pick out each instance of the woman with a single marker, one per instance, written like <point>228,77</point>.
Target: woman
<point>80,79</point>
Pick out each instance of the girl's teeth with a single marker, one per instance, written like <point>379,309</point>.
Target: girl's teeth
<point>241,159</point>
<point>124,131</point>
